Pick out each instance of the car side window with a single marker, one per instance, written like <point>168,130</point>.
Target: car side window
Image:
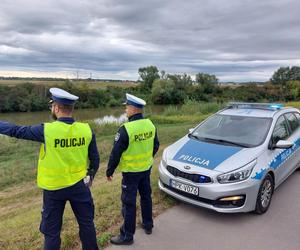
<point>298,117</point>
<point>280,131</point>
<point>293,121</point>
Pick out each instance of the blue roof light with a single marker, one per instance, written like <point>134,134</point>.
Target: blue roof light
<point>276,105</point>
<point>266,106</point>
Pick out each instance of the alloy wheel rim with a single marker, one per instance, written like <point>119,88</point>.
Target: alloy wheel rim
<point>266,193</point>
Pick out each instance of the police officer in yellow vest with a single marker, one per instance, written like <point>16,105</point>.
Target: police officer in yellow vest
<point>68,162</point>
<point>135,145</point>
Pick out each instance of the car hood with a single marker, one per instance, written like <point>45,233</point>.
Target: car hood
<point>205,157</point>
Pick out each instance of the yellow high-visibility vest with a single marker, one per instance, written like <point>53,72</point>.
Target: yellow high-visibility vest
<point>63,158</point>
<point>139,155</point>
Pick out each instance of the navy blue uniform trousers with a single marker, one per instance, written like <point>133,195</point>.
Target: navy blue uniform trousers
<point>82,205</point>
<point>131,183</point>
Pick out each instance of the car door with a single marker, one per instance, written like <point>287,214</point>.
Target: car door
<point>294,157</point>
<point>279,161</point>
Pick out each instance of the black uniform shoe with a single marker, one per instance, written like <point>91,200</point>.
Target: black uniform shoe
<point>118,240</point>
<point>148,231</point>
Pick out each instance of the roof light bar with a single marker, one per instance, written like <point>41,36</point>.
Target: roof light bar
<point>246,105</point>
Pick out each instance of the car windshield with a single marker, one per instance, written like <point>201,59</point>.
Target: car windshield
<point>233,130</point>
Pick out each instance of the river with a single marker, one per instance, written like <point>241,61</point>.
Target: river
<point>99,115</point>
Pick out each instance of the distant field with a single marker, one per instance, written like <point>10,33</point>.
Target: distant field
<point>92,84</point>
<point>17,82</point>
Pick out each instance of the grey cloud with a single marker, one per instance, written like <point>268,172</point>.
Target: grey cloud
<point>112,36</point>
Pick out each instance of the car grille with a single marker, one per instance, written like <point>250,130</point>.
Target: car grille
<point>197,178</point>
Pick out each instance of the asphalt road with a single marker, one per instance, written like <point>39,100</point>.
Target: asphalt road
<point>186,227</point>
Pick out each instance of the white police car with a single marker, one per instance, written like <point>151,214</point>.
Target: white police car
<point>233,161</point>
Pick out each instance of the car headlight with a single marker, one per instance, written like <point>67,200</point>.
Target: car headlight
<point>237,175</point>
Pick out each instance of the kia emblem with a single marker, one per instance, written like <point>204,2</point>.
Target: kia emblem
<point>187,167</point>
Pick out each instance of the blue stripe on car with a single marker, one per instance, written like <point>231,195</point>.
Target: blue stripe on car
<point>206,155</point>
<point>278,160</point>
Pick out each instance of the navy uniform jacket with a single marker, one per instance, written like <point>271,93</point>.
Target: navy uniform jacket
<point>36,133</point>
<point>121,144</point>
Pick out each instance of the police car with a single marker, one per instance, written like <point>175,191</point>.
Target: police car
<point>233,161</point>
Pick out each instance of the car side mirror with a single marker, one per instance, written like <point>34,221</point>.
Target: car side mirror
<point>283,144</point>
<point>191,130</point>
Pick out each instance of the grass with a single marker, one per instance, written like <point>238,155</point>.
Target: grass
<point>293,104</point>
<point>21,200</point>
<point>192,108</point>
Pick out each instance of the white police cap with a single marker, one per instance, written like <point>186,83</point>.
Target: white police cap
<point>135,101</point>
<point>63,97</point>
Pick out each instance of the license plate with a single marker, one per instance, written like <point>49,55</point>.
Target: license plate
<point>184,187</point>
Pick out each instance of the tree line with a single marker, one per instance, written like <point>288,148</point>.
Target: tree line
<point>284,85</point>
<point>32,97</point>
<point>158,87</point>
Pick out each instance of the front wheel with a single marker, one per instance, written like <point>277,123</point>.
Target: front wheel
<point>264,196</point>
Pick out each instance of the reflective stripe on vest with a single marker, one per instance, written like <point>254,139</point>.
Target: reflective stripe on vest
<point>139,155</point>
<point>63,158</point>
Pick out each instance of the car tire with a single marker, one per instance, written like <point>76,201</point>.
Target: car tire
<point>265,194</point>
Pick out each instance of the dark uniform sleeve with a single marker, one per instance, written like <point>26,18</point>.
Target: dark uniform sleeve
<point>156,143</point>
<point>120,145</point>
<point>33,133</point>
<point>94,157</point>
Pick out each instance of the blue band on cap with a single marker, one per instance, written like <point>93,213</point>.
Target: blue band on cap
<point>63,101</point>
<point>128,102</point>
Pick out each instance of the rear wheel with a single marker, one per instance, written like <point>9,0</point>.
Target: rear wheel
<point>264,196</point>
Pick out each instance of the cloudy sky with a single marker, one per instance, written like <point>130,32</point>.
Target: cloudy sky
<point>237,40</point>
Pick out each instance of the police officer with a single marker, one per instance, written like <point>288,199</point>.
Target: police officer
<point>135,145</point>
<point>68,162</point>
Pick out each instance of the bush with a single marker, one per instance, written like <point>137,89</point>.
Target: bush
<point>164,92</point>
